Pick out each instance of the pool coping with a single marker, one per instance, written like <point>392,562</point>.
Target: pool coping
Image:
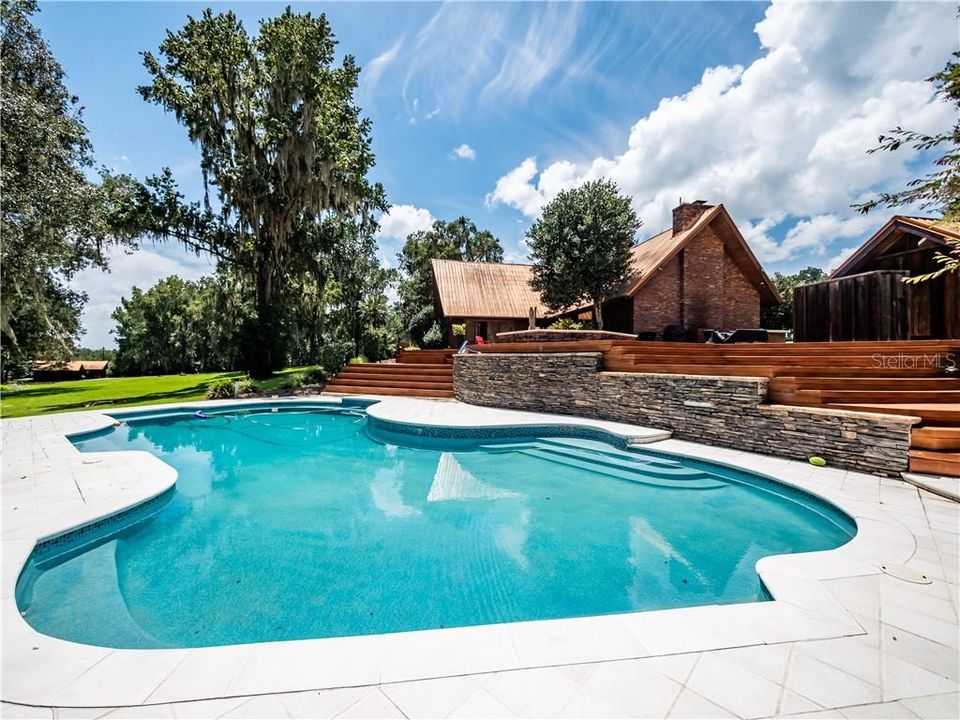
<point>41,670</point>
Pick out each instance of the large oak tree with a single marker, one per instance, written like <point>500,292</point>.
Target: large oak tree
<point>282,142</point>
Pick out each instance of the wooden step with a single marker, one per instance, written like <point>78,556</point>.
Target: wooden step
<point>435,357</point>
<point>891,347</point>
<point>767,371</point>
<point>931,413</point>
<point>827,397</point>
<point>374,378</point>
<point>930,462</point>
<point>864,383</point>
<point>718,370</point>
<point>393,382</point>
<point>935,437</point>
<point>406,368</point>
<point>407,392</point>
<point>867,362</point>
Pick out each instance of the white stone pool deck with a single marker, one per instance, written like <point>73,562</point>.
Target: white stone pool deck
<point>842,639</point>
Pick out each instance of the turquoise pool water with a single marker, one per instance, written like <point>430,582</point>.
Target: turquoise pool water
<point>309,523</point>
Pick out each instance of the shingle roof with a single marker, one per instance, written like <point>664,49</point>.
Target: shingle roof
<point>484,290</point>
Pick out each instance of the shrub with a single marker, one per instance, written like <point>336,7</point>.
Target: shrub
<point>295,381</point>
<point>359,359</point>
<point>244,386</point>
<point>458,329</point>
<point>334,355</point>
<point>221,389</point>
<point>314,376</point>
<point>433,338</point>
<point>565,324</point>
<point>420,324</point>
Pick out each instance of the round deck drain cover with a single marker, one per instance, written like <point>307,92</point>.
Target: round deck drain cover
<point>901,572</point>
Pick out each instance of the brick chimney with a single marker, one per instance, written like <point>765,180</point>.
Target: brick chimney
<point>686,214</point>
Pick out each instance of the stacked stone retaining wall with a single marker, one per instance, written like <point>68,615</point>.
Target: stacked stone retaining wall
<point>723,411</point>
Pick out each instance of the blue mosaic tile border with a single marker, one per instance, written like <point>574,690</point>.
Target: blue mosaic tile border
<point>497,432</point>
<point>100,528</point>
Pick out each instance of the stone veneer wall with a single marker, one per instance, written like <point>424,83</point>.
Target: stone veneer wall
<point>723,411</point>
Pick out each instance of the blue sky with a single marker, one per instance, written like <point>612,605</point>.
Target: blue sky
<point>489,110</point>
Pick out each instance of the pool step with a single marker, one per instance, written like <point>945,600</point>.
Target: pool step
<point>594,451</point>
<point>606,450</point>
<point>592,456</point>
<point>644,475</point>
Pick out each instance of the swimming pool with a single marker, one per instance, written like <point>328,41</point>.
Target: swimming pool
<point>315,522</point>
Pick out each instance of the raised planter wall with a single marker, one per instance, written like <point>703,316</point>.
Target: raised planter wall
<point>723,411</point>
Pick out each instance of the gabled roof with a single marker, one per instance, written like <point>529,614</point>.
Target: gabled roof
<point>937,231</point>
<point>484,290</point>
<point>651,255</point>
<point>499,290</point>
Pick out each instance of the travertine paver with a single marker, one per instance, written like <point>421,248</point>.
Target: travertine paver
<point>904,666</point>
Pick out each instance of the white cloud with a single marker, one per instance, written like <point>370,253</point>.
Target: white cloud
<point>517,189</point>
<point>395,224</point>
<point>375,68</point>
<point>401,220</point>
<point>493,52</point>
<point>464,152</point>
<point>142,268</point>
<point>785,139</point>
<point>527,64</point>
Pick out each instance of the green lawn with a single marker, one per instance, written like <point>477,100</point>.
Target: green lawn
<point>50,397</point>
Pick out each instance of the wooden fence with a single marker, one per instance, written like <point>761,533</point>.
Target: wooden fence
<point>869,306</point>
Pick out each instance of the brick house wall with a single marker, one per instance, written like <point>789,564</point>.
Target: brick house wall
<point>657,304</point>
<point>741,299</point>
<point>713,290</point>
<point>703,285</point>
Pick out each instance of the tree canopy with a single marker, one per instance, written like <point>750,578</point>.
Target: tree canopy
<point>282,142</point>
<point>939,190</point>
<point>780,317</point>
<point>457,239</point>
<point>581,246</point>
<point>53,219</point>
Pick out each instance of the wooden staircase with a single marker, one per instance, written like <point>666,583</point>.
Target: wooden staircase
<point>426,379</point>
